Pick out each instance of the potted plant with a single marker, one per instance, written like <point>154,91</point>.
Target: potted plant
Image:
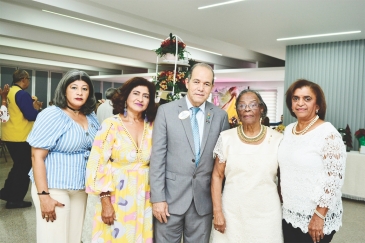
<point>168,46</point>
<point>360,135</point>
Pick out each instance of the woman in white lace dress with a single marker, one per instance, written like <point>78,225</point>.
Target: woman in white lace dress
<point>249,209</point>
<point>312,161</point>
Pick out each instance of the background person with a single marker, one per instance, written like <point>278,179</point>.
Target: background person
<point>312,158</point>
<point>61,140</point>
<point>249,210</point>
<point>118,167</point>
<point>23,112</point>
<point>184,136</point>
<point>4,115</point>
<point>105,110</point>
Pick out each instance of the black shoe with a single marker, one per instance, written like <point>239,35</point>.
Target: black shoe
<point>1,195</point>
<point>21,204</point>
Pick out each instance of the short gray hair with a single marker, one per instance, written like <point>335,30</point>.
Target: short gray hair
<point>19,74</point>
<point>261,101</point>
<point>201,64</point>
<point>110,92</point>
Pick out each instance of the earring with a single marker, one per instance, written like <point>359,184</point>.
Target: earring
<point>316,111</point>
<point>145,117</point>
<point>125,109</point>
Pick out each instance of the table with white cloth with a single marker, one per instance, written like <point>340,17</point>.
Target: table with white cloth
<point>354,184</point>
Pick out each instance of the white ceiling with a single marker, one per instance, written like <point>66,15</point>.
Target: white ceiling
<point>242,31</point>
<point>251,24</point>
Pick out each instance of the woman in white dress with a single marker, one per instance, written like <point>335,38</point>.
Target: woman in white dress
<point>249,209</point>
<point>312,158</point>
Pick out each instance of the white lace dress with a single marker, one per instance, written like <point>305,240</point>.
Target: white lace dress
<point>250,200</point>
<point>312,170</point>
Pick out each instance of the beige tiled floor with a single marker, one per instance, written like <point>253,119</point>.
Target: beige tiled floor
<point>18,225</point>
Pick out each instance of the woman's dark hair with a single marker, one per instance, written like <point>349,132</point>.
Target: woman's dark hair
<point>261,101</point>
<point>70,77</point>
<point>316,89</point>
<point>120,98</point>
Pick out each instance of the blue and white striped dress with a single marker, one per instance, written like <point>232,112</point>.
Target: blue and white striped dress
<point>68,146</point>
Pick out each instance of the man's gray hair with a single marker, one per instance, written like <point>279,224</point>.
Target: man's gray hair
<point>19,74</point>
<point>201,64</point>
<point>110,92</point>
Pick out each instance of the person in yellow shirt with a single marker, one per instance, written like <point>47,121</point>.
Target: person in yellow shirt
<point>23,112</point>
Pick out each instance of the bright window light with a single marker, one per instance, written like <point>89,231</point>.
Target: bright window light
<point>115,28</point>
<point>219,4</point>
<point>321,35</point>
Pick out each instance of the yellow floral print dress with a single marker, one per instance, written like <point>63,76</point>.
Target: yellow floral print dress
<point>117,165</point>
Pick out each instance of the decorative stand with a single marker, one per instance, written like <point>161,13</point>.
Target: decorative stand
<point>170,62</point>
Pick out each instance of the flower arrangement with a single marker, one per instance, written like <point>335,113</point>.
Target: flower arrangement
<point>169,46</point>
<point>280,128</point>
<point>165,81</point>
<point>360,135</point>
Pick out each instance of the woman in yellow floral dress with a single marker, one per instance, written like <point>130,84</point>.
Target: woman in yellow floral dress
<point>118,167</point>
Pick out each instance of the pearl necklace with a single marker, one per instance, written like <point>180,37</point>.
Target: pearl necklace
<point>306,128</point>
<point>247,139</point>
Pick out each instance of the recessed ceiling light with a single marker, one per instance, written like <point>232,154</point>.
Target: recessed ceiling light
<point>219,4</point>
<point>321,35</point>
<point>204,50</point>
<point>115,28</point>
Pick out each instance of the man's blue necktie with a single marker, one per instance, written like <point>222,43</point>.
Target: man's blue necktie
<point>194,125</point>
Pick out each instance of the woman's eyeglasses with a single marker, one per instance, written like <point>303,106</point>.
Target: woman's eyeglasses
<point>252,106</point>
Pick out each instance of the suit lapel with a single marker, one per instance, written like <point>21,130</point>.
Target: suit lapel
<point>208,117</point>
<point>186,123</point>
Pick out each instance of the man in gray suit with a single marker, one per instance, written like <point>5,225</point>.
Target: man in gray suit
<point>184,135</point>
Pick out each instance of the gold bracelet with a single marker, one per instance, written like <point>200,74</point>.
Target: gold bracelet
<point>319,214</point>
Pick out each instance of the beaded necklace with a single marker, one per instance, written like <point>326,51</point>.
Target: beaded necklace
<point>247,139</point>
<point>306,128</point>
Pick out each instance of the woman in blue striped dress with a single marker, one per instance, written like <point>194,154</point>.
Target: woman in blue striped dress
<point>61,140</point>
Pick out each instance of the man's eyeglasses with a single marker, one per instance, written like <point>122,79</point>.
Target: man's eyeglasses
<point>251,106</point>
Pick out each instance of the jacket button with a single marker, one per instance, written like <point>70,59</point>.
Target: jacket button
<point>194,176</point>
<point>193,160</point>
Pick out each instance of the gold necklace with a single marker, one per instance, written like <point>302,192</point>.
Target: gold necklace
<point>306,128</point>
<point>247,139</point>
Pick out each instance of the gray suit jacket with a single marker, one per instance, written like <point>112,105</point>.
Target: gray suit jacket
<point>174,178</point>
